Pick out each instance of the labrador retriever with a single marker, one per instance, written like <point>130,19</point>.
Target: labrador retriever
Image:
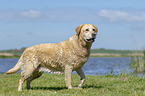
<point>63,57</point>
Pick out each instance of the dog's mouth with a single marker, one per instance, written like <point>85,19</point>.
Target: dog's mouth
<point>90,40</point>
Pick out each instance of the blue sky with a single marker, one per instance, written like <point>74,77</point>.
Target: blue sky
<point>24,23</point>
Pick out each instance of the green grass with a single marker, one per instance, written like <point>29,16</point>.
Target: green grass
<point>138,64</point>
<point>54,85</point>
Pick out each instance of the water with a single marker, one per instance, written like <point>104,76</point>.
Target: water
<point>101,66</point>
<point>105,66</point>
<point>6,64</point>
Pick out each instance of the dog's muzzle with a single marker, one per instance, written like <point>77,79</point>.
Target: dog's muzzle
<point>92,39</point>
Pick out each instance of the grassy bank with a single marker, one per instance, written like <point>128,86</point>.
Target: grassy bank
<point>14,56</point>
<point>54,85</point>
<point>15,53</point>
<point>114,53</point>
<point>94,53</point>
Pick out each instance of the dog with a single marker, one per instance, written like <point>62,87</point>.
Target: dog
<point>63,57</point>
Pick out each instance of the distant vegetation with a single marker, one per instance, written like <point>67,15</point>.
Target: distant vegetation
<point>16,53</point>
<point>114,53</point>
<point>15,56</point>
<point>111,51</point>
<point>94,53</point>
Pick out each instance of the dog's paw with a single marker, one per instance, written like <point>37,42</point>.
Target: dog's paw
<point>79,87</point>
<point>70,87</point>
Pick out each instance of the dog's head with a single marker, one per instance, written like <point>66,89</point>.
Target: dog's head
<point>87,32</point>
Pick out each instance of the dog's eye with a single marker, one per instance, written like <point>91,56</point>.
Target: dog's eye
<point>94,30</point>
<point>87,29</point>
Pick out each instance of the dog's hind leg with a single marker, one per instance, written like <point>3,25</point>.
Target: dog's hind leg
<point>23,78</point>
<point>20,84</point>
<point>25,74</point>
<point>35,75</point>
<point>82,75</point>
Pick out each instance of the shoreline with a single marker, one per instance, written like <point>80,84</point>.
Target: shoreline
<point>9,55</point>
<point>95,55</point>
<point>114,55</point>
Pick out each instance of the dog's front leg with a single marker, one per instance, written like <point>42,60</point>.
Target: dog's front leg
<point>68,71</point>
<point>82,75</point>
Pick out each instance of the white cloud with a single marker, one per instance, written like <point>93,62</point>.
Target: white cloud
<point>31,14</point>
<point>114,16</point>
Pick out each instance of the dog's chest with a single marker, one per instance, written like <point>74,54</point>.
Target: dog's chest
<point>76,61</point>
<point>79,62</point>
<point>76,58</point>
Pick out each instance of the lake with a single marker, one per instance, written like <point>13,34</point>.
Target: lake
<point>94,66</point>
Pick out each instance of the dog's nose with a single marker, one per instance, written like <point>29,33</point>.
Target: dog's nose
<point>93,35</point>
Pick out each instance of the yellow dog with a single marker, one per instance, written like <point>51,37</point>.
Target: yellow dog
<point>63,57</point>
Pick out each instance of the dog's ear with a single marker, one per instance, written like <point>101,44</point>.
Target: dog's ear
<point>96,29</point>
<point>78,29</point>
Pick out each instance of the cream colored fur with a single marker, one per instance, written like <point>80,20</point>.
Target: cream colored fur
<point>63,57</point>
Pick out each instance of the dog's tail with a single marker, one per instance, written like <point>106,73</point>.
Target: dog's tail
<point>16,68</point>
